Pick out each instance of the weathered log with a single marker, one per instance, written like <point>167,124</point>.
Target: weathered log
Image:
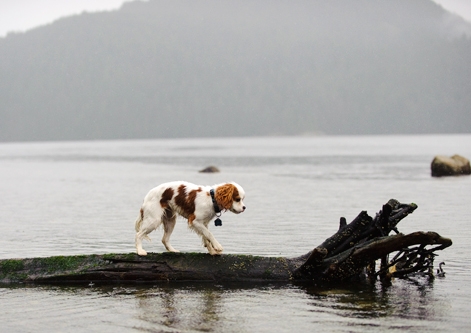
<point>352,262</point>
<point>341,257</point>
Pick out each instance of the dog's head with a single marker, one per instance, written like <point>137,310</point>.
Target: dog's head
<point>230,196</point>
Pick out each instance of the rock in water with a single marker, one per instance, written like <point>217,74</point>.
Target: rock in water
<point>210,169</point>
<point>455,165</point>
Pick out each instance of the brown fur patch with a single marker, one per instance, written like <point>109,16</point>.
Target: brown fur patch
<point>166,197</point>
<point>225,194</point>
<point>164,200</point>
<point>191,218</point>
<point>186,201</point>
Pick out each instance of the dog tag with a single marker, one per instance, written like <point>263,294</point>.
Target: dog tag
<point>218,222</point>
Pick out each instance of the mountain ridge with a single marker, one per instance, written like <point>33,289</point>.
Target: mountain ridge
<point>223,68</point>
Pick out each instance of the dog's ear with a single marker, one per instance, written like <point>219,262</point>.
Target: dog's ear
<point>224,194</point>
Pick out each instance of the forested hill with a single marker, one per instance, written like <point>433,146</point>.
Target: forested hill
<point>185,68</point>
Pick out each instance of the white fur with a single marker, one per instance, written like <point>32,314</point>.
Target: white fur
<point>161,208</point>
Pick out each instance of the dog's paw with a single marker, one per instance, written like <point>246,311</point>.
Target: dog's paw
<point>213,252</point>
<point>211,249</point>
<point>142,253</point>
<point>170,248</point>
<point>218,248</point>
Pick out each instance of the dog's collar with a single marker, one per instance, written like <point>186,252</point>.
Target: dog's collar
<point>215,204</point>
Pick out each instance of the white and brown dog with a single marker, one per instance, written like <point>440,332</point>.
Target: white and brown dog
<point>198,204</point>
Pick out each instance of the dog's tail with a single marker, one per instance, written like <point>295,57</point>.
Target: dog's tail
<point>138,223</point>
<point>139,220</point>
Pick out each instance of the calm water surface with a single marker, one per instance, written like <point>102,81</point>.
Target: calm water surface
<point>82,198</point>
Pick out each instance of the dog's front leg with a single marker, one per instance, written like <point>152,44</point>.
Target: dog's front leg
<point>213,246</point>
<point>209,246</point>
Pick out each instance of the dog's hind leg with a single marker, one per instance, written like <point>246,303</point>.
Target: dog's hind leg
<point>145,224</point>
<point>140,234</point>
<point>169,225</point>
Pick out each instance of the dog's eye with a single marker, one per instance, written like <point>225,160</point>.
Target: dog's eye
<point>237,200</point>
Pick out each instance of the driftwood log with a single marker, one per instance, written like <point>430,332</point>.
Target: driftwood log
<point>362,248</point>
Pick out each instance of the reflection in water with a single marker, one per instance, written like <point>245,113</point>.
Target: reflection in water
<point>404,305</point>
<point>181,307</point>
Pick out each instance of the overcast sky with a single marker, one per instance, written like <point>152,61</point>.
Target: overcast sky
<point>21,15</point>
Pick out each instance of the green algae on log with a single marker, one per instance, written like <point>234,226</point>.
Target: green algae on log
<point>153,267</point>
<point>348,254</point>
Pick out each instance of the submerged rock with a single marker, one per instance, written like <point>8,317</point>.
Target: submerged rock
<point>210,169</point>
<point>455,165</point>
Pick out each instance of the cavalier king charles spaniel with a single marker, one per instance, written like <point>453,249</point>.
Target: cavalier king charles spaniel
<point>198,204</point>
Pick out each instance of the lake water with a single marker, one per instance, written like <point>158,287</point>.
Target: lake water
<point>67,198</point>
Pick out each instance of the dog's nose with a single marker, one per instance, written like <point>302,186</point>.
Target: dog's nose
<point>243,207</point>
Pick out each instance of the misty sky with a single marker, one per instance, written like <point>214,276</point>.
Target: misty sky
<point>21,15</point>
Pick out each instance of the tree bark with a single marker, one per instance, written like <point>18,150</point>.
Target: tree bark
<point>344,256</point>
